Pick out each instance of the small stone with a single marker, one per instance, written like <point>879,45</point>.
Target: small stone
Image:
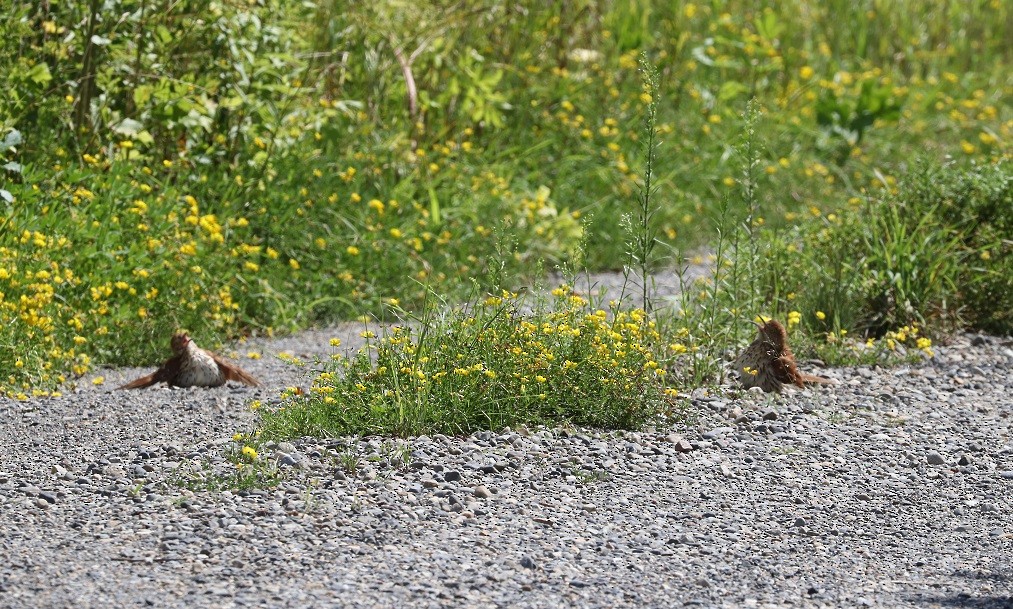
<point>286,447</point>
<point>1008,475</point>
<point>934,458</point>
<point>717,432</point>
<point>451,475</point>
<point>799,522</point>
<point>47,497</point>
<point>683,446</point>
<point>482,492</point>
<point>528,563</point>
<point>770,415</point>
<point>430,483</point>
<point>963,460</point>
<point>41,503</point>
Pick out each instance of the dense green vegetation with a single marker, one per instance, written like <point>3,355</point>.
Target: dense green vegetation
<point>243,167</point>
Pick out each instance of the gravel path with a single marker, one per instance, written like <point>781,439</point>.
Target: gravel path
<point>892,489</point>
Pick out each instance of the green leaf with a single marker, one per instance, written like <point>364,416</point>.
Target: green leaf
<point>39,73</point>
<point>434,206</point>
<point>163,34</point>
<point>142,94</point>
<point>731,89</point>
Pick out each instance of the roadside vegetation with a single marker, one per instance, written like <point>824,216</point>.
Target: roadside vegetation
<point>257,168</point>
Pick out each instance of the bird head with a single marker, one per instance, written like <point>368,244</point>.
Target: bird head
<point>773,333</point>
<point>179,342</point>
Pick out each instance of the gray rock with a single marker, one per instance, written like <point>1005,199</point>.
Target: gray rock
<point>717,432</point>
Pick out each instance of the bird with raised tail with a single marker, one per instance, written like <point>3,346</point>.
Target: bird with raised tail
<point>769,364</point>
<point>191,366</point>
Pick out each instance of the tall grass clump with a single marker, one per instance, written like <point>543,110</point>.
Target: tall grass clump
<point>887,272</point>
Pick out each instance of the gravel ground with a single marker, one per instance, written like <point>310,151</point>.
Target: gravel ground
<point>891,489</point>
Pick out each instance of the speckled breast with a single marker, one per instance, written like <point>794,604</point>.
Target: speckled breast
<point>200,370</point>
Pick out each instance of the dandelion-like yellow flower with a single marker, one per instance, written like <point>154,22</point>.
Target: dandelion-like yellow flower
<point>250,453</point>
<point>820,315</point>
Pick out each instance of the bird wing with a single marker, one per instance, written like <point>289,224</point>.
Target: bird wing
<point>163,374</point>
<point>233,372</point>
<point>786,372</point>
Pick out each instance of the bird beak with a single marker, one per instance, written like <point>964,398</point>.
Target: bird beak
<point>755,323</point>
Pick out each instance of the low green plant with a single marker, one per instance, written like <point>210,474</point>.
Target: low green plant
<point>246,469</point>
<point>349,461</point>
<point>488,366</point>
<point>589,476</point>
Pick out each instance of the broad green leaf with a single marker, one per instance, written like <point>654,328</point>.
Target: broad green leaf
<point>40,73</point>
<point>163,34</point>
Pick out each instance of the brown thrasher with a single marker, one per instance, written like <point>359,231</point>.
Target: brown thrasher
<point>769,364</point>
<point>191,366</point>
